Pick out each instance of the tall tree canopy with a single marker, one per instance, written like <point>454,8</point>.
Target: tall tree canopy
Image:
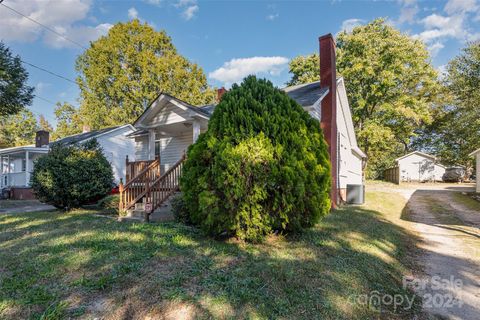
<point>15,94</point>
<point>455,132</point>
<point>68,121</point>
<point>18,129</point>
<point>391,86</point>
<point>304,69</point>
<point>122,72</point>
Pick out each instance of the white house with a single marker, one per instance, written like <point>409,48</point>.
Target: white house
<point>16,164</point>
<point>115,144</point>
<point>476,154</point>
<point>419,166</point>
<point>168,126</point>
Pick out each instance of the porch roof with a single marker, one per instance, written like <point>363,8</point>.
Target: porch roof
<point>29,148</point>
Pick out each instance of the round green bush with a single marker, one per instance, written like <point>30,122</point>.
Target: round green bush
<point>261,166</point>
<point>71,176</point>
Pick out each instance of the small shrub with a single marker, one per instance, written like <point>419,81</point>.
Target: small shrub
<point>71,176</point>
<point>261,166</point>
<point>110,203</point>
<point>180,210</point>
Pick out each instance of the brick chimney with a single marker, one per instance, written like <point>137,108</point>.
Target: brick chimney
<point>328,79</point>
<point>42,138</point>
<point>220,93</point>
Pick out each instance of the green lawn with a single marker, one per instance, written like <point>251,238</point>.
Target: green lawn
<point>55,265</point>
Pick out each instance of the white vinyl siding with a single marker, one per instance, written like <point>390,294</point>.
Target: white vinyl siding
<point>349,163</point>
<point>169,114</point>
<point>172,148</point>
<point>141,148</point>
<point>116,146</point>
<point>417,167</point>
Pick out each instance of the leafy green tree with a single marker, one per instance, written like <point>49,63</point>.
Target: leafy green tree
<point>71,176</point>
<point>262,165</point>
<point>391,87</point>
<point>43,124</point>
<point>68,121</point>
<point>18,129</point>
<point>122,72</point>
<point>455,131</point>
<point>304,69</point>
<point>15,94</point>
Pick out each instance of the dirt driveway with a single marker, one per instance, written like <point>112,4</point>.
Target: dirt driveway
<point>448,223</point>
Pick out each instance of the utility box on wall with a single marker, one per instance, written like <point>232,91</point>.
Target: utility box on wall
<point>355,194</point>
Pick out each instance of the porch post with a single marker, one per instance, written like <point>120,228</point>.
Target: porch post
<point>9,171</point>
<point>27,169</point>
<point>151,144</point>
<point>196,130</point>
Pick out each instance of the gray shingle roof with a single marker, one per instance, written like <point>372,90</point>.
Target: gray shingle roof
<point>82,136</point>
<point>306,94</point>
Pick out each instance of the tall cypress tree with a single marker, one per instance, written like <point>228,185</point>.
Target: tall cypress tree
<point>261,166</point>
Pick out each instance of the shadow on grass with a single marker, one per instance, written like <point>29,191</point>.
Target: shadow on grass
<point>79,265</point>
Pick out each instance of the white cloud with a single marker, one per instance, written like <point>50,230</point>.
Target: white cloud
<point>132,13</point>
<point>435,48</point>
<point>62,16</point>
<point>154,2</point>
<point>453,24</point>
<point>349,24</point>
<point>408,11</point>
<point>437,27</point>
<point>80,34</point>
<point>189,8</point>
<point>41,86</point>
<point>237,69</point>
<point>189,12</point>
<point>272,16</point>
<point>461,6</point>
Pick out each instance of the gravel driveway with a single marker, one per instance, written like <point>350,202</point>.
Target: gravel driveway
<point>448,226</point>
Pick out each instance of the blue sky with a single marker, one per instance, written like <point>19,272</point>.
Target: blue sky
<point>228,39</point>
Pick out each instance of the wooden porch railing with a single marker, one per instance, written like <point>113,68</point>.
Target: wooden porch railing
<point>163,187</point>
<point>152,186</point>
<point>135,188</point>
<point>133,168</point>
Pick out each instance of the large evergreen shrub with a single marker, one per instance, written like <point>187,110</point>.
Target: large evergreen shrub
<point>70,176</point>
<point>261,166</point>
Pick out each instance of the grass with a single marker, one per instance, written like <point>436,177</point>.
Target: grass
<point>467,201</point>
<point>55,266</point>
<point>8,204</point>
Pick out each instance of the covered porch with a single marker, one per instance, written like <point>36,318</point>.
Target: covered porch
<point>165,131</point>
<point>16,165</point>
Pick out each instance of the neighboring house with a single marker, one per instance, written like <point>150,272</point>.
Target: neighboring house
<point>476,154</point>
<point>16,164</point>
<point>168,126</point>
<point>419,166</point>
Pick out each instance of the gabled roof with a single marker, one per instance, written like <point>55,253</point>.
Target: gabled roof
<point>204,111</point>
<point>77,138</point>
<point>426,155</point>
<point>307,94</point>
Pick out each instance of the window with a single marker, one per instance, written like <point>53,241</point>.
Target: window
<point>157,148</point>
<point>24,165</point>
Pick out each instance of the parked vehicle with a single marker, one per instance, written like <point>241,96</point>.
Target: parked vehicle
<point>454,174</point>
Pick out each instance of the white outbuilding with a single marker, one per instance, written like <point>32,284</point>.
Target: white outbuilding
<point>419,166</point>
<point>476,154</point>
